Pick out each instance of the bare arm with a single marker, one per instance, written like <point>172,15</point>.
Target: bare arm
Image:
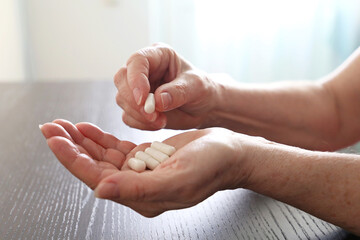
<point>323,184</point>
<point>344,86</point>
<point>318,115</point>
<point>322,116</point>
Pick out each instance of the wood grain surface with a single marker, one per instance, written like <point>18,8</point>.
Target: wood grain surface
<point>40,199</point>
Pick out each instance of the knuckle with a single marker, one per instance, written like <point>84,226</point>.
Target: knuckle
<point>181,90</point>
<point>125,119</point>
<point>120,76</point>
<point>119,99</point>
<point>129,121</point>
<point>194,74</point>
<point>141,53</point>
<point>199,81</point>
<point>122,73</point>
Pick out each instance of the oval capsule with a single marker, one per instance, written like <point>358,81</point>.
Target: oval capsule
<point>156,154</point>
<point>163,147</point>
<point>150,162</point>
<point>137,165</point>
<point>149,106</point>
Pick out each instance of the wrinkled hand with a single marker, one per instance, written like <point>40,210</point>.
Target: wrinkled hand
<point>184,95</point>
<point>205,161</point>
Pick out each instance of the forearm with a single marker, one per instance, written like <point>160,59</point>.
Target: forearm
<point>325,185</point>
<point>298,113</point>
<point>321,115</point>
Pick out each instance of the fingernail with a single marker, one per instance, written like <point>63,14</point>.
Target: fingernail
<point>137,95</point>
<point>107,190</point>
<point>166,100</point>
<point>40,126</point>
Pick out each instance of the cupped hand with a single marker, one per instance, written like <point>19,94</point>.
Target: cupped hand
<point>184,95</point>
<point>205,161</point>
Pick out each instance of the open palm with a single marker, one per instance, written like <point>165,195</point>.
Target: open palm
<point>100,160</point>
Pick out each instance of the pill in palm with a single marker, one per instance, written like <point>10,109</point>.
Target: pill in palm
<point>150,162</point>
<point>137,165</point>
<point>163,147</point>
<point>149,106</point>
<point>156,154</point>
<point>151,157</point>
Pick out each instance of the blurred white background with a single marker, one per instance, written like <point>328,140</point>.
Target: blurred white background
<point>253,41</point>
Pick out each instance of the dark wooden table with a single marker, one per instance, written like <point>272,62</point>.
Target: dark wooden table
<point>39,199</point>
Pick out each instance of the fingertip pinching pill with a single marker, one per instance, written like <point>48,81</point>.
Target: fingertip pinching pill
<point>149,106</point>
<point>137,165</point>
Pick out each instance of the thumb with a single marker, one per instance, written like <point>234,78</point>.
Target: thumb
<point>175,93</point>
<point>132,186</point>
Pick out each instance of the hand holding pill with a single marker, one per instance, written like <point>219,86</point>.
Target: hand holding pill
<point>154,155</point>
<point>115,168</point>
<point>157,88</point>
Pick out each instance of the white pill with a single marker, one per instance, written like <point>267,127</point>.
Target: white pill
<point>156,154</point>
<point>163,147</point>
<point>150,162</point>
<point>136,164</point>
<point>149,106</point>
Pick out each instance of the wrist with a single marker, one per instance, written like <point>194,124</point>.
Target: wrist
<point>250,154</point>
<point>276,170</point>
<point>217,81</point>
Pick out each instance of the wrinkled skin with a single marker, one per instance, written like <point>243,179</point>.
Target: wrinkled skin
<point>201,166</point>
<point>160,69</point>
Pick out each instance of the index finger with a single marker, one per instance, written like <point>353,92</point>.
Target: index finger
<point>139,67</point>
<point>88,170</point>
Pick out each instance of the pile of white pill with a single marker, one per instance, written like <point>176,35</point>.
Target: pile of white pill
<point>151,157</point>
